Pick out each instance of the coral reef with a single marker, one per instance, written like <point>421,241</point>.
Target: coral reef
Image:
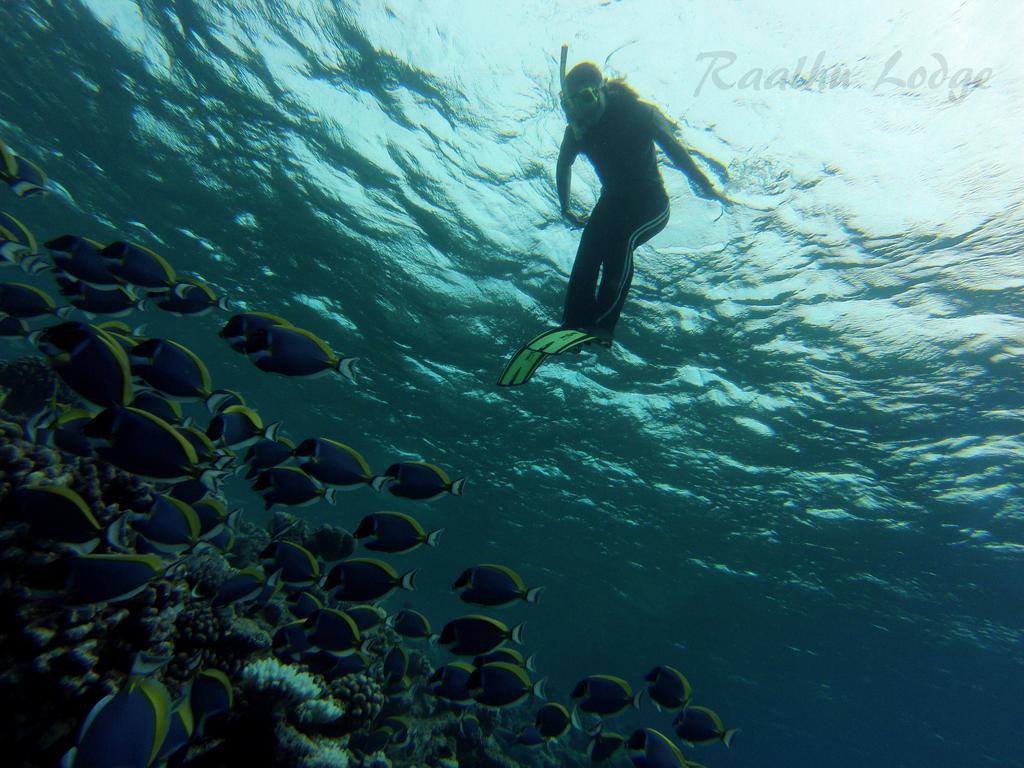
<point>27,385</point>
<point>58,660</point>
<point>328,542</point>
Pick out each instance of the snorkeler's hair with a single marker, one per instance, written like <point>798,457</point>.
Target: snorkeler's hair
<point>587,73</point>
<point>584,74</point>
<point>617,87</point>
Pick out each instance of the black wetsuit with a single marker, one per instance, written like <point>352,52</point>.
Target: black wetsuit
<point>632,209</point>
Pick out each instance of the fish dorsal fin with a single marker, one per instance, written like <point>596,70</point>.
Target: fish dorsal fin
<point>508,572</point>
<point>185,445</point>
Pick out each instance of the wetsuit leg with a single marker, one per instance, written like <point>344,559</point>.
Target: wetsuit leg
<point>580,309</point>
<point>641,219</point>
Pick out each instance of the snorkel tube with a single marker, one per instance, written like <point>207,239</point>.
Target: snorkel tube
<point>577,130</point>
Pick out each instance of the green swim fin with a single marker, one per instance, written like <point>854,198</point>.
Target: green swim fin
<point>528,358</point>
<point>558,340</point>
<point>521,367</point>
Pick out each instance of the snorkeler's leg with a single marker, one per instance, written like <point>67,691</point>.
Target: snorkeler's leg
<point>618,266</point>
<point>580,309</point>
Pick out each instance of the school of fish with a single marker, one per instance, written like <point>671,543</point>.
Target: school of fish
<point>132,389</point>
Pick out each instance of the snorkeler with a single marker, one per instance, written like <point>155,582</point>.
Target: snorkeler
<point>617,132</point>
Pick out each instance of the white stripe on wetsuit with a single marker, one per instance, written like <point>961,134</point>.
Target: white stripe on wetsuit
<point>643,228</point>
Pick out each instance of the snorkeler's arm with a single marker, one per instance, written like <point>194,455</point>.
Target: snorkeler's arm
<point>665,137</point>
<point>563,171</point>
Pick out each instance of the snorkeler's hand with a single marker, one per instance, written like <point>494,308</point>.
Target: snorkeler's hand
<point>575,220</point>
<point>708,192</point>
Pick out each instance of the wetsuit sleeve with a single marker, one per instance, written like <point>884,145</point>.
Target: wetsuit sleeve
<point>664,134</point>
<point>563,171</point>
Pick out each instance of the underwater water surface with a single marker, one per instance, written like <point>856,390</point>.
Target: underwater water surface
<point>797,476</point>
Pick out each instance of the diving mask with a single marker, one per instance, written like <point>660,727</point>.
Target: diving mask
<point>583,98</point>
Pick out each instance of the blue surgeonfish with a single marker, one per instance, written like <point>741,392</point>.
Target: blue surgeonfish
<point>145,664</point>
<point>668,688</point>
<point>212,513</point>
<point>117,539</point>
<point>649,748</point>
<point>210,696</point>
<point>491,584</point>
<point>376,740</point>
<point>474,634</point>
<point>248,585</point>
<point>139,442</point>
<point>220,400</point>
<point>304,604</point>
<point>418,480</point>
<point>401,727</point>
<point>158,405</point>
<point>170,527</point>
<point>294,351</point>
<point>13,230</point>
<point>699,725</point>
<point>18,245</point>
<point>109,578</point>
<point>79,258</point>
<point>290,486</point>
<point>189,297</point>
<point>604,695</point>
<point>367,617</point>
<point>350,664</point>
<point>11,250</point>
<point>122,333</point>
<point>110,302</point>
<point>138,265</point>
<point>23,176</point>
<point>126,729</point>
<point>500,685</point>
<point>222,532</point>
<point>469,725</point>
<point>238,426</point>
<point>190,491</point>
<point>396,667</point>
<point>530,737</point>
<point>333,463</point>
<point>170,368</point>
<point>13,327</point>
<point>604,745</point>
<point>7,158</point>
<point>27,301</point>
<point>241,588</point>
<point>178,734</point>
<point>225,538</point>
<point>290,640</point>
<point>508,655</point>
<point>87,360</point>
<point>333,631</point>
<point>553,720</point>
<point>299,567</point>
<point>321,662</point>
<point>394,532</point>
<point>55,512</point>
<point>207,453</point>
<point>361,580</point>
<point>65,431</point>
<point>238,328</point>
<point>450,680</point>
<point>266,453</point>
<point>411,624</point>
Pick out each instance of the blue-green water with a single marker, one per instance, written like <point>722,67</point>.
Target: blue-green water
<point>798,475</point>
